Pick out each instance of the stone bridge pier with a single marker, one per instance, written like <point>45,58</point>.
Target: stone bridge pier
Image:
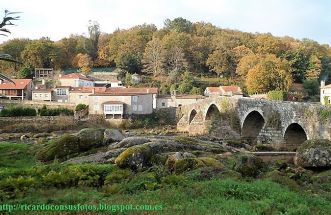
<point>262,121</point>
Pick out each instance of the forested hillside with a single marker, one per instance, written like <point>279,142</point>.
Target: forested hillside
<point>181,54</point>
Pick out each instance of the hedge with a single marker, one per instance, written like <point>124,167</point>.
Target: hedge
<point>277,95</point>
<point>18,111</point>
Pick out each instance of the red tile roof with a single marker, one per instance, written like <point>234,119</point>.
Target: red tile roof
<point>20,84</point>
<point>75,76</point>
<point>117,91</point>
<point>231,88</point>
<point>224,89</point>
<point>87,89</point>
<point>214,89</point>
<point>326,86</point>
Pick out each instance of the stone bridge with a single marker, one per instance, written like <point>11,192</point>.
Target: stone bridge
<point>262,121</point>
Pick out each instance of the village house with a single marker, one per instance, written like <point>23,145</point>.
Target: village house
<point>75,80</point>
<point>223,91</point>
<point>40,93</point>
<point>177,101</point>
<point>22,89</point>
<point>61,93</point>
<point>325,93</point>
<point>80,95</point>
<point>120,102</point>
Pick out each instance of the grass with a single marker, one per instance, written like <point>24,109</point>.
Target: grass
<point>189,193</point>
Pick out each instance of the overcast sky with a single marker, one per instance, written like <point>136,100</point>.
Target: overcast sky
<point>60,18</point>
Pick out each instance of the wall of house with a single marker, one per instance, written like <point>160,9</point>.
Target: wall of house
<point>144,104</point>
<point>96,107</point>
<point>79,98</point>
<point>145,101</point>
<point>76,83</point>
<point>41,96</point>
<point>61,98</point>
<point>325,92</point>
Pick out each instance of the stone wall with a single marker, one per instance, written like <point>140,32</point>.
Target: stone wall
<point>37,104</point>
<point>277,118</point>
<point>37,119</point>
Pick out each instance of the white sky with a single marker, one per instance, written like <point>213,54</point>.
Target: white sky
<point>60,18</point>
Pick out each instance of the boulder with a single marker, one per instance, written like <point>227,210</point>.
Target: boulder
<point>314,154</point>
<point>172,159</point>
<point>24,137</point>
<point>99,157</point>
<point>90,137</point>
<point>135,157</point>
<point>130,141</point>
<point>249,165</point>
<point>112,135</point>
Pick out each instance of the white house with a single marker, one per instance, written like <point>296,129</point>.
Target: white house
<point>76,80</point>
<point>325,93</point>
<point>223,91</point>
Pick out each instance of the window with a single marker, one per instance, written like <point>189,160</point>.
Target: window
<point>140,108</point>
<point>163,104</point>
<point>80,96</point>
<point>46,95</point>
<point>134,98</point>
<point>113,108</point>
<point>39,94</point>
<point>61,92</point>
<point>134,107</point>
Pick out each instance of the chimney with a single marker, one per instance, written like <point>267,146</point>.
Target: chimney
<point>93,90</point>
<point>0,81</point>
<point>322,83</point>
<point>43,81</point>
<point>60,75</point>
<point>147,90</point>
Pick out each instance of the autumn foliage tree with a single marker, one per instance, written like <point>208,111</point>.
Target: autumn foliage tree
<point>84,62</point>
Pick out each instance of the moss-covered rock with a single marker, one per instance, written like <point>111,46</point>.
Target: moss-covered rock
<point>135,157</point>
<point>58,148</point>
<point>209,162</point>
<point>249,165</point>
<point>112,135</point>
<point>263,148</point>
<point>185,164</point>
<point>172,159</point>
<point>117,176</point>
<point>130,141</point>
<point>90,137</point>
<point>282,179</point>
<point>314,154</point>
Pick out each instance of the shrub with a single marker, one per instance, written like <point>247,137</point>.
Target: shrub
<point>117,176</point>
<point>44,111</point>
<point>249,165</point>
<point>18,111</point>
<point>277,95</point>
<point>20,184</point>
<point>80,107</point>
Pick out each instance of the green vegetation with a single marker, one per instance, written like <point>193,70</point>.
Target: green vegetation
<point>18,111</point>
<point>181,55</point>
<point>44,111</point>
<point>202,190</point>
<point>277,95</point>
<point>81,107</point>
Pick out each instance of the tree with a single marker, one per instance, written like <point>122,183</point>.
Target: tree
<point>222,62</point>
<point>314,68</point>
<point>312,86</point>
<point>26,72</point>
<point>176,60</point>
<point>178,25</point>
<point>154,57</point>
<point>270,73</point>
<point>7,20</point>
<point>84,63</point>
<point>93,40</point>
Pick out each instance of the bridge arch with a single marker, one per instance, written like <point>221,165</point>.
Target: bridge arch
<point>211,112</point>
<point>295,134</point>
<point>192,115</point>
<point>252,124</point>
